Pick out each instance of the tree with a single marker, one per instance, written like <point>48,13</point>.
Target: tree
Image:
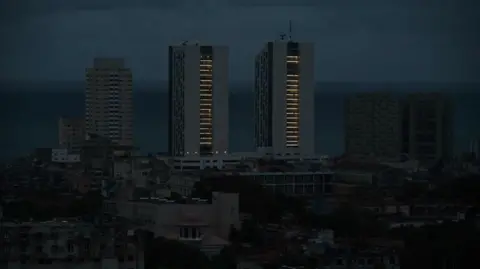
<point>434,246</point>
<point>225,260</point>
<point>175,196</point>
<point>270,209</point>
<point>53,206</point>
<point>174,255</point>
<point>352,222</point>
<point>251,233</point>
<point>233,236</point>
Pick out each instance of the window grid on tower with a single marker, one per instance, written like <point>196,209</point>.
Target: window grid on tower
<point>292,102</point>
<point>206,101</point>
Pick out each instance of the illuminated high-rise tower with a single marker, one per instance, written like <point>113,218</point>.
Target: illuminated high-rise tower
<point>198,100</point>
<point>284,98</point>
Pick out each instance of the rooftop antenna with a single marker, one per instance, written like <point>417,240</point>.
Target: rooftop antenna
<point>290,30</point>
<point>282,36</point>
<point>184,43</point>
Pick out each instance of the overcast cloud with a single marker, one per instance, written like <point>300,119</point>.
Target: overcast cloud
<point>368,40</point>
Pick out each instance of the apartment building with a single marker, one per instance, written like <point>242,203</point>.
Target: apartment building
<point>373,125</point>
<point>199,222</point>
<point>284,98</point>
<point>291,183</point>
<point>64,156</point>
<point>69,244</point>
<point>71,133</point>
<point>183,183</point>
<point>198,100</point>
<point>428,127</point>
<point>108,100</point>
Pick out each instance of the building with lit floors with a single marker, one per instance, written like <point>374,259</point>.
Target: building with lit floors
<point>108,101</point>
<point>428,127</point>
<point>373,125</point>
<point>198,100</point>
<point>284,98</point>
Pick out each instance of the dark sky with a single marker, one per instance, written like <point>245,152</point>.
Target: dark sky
<point>355,40</point>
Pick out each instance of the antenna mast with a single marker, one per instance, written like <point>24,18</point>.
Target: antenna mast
<point>290,30</point>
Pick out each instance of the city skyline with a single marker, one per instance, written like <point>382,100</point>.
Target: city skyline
<point>267,134</point>
<point>377,41</point>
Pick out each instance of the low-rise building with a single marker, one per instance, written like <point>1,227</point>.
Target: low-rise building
<point>230,161</point>
<point>183,183</point>
<point>369,173</point>
<point>64,156</point>
<point>193,221</point>
<point>292,183</point>
<point>141,170</point>
<point>69,244</point>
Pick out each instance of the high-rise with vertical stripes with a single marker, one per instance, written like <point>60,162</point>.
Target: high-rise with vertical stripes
<point>108,100</point>
<point>198,100</point>
<point>284,98</point>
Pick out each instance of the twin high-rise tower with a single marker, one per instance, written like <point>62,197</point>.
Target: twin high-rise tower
<point>198,100</point>
<point>199,97</point>
<point>284,98</point>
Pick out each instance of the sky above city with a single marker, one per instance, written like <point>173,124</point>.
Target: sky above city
<point>355,41</point>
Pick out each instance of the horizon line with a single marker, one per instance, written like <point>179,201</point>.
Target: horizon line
<point>24,81</point>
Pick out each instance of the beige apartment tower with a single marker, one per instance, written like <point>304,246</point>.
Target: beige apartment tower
<point>108,101</point>
<point>373,125</point>
<point>71,133</point>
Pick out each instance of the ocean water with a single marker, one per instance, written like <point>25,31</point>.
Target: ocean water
<point>29,116</point>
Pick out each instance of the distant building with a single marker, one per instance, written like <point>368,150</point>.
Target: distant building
<point>284,98</point>
<point>198,100</point>
<point>373,125</point>
<point>69,244</point>
<point>475,148</point>
<point>234,160</point>
<point>71,133</point>
<point>183,183</point>
<point>63,156</point>
<point>290,183</point>
<point>142,171</point>
<point>428,127</point>
<point>108,100</point>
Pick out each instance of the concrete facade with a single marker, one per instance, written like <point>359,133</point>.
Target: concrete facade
<point>284,98</point>
<point>198,100</point>
<point>206,224</point>
<point>292,183</point>
<point>373,125</point>
<point>428,127</point>
<point>69,244</point>
<point>71,133</point>
<point>182,183</point>
<point>108,101</point>
<point>64,156</point>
